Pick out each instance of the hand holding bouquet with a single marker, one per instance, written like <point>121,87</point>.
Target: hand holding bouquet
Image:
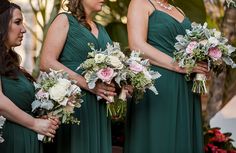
<point>105,66</point>
<point>2,121</point>
<point>56,96</point>
<point>111,65</point>
<point>201,44</point>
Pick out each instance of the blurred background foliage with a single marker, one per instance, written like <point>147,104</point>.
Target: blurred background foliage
<point>113,17</point>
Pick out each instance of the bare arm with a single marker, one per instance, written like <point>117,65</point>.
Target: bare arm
<point>52,49</point>
<point>138,16</point>
<point>10,111</point>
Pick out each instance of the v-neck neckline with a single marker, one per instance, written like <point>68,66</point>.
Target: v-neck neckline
<point>180,22</point>
<point>93,35</point>
<point>97,25</point>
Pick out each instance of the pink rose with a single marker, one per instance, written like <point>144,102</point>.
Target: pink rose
<point>191,46</point>
<point>136,67</point>
<point>215,53</point>
<point>106,74</point>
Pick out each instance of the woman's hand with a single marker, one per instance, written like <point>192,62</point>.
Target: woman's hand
<point>129,89</point>
<point>104,90</point>
<point>201,67</point>
<point>46,127</point>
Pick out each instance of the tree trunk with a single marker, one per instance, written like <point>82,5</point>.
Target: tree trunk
<point>223,87</point>
<point>229,29</point>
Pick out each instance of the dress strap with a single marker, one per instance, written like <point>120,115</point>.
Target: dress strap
<point>152,4</point>
<point>180,11</point>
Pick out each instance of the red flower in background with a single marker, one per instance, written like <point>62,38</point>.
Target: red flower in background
<point>217,142</point>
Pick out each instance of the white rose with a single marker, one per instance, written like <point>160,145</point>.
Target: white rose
<point>99,58</point>
<point>57,92</point>
<point>115,62</point>
<point>64,83</point>
<point>213,40</point>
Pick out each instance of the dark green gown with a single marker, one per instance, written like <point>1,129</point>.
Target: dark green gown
<point>19,139</point>
<point>171,121</point>
<point>93,135</point>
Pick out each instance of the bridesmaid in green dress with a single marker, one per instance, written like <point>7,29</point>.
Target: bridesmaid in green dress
<point>65,48</point>
<point>171,121</point>
<point>16,89</point>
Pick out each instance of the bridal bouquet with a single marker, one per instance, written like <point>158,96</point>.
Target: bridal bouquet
<point>111,65</point>
<point>2,121</point>
<point>57,96</point>
<point>139,75</point>
<point>203,44</point>
<point>105,66</point>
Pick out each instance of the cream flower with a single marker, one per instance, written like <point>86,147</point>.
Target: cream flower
<point>57,92</point>
<point>99,58</point>
<point>115,62</point>
<point>64,83</point>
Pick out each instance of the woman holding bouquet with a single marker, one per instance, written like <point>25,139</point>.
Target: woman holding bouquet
<point>17,89</point>
<point>171,121</point>
<point>65,48</point>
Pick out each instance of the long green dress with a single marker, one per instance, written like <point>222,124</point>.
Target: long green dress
<point>19,139</point>
<point>169,122</point>
<point>93,135</point>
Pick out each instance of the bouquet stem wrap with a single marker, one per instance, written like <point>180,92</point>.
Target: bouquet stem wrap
<point>199,84</point>
<point>117,108</point>
<point>44,138</point>
<point>2,121</point>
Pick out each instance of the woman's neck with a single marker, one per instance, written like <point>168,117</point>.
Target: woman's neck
<point>89,15</point>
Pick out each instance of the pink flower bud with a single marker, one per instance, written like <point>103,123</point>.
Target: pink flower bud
<point>215,53</point>
<point>191,46</point>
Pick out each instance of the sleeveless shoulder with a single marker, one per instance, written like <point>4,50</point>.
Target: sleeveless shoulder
<point>70,17</point>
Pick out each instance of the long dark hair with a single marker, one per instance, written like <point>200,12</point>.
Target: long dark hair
<point>77,9</point>
<point>9,59</point>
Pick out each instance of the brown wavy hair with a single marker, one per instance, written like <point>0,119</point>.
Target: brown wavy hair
<point>9,59</point>
<point>77,9</point>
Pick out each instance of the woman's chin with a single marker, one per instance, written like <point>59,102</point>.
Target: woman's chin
<point>17,44</point>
